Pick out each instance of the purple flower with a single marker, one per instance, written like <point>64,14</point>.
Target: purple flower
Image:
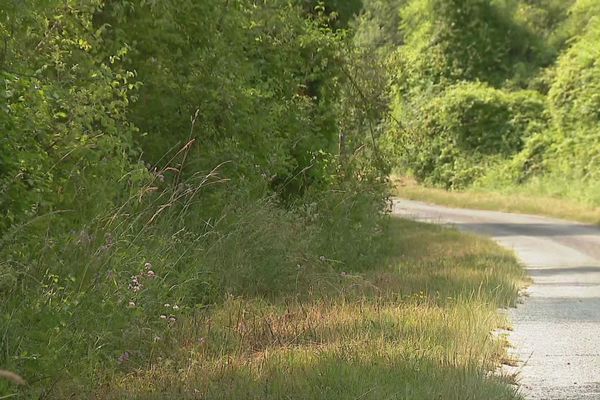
<point>123,358</point>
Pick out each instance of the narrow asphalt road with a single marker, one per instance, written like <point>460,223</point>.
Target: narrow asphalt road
<point>557,328</point>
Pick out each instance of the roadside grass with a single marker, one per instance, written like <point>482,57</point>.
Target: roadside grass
<point>517,200</point>
<point>416,324</point>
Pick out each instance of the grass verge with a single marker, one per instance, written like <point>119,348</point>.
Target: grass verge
<point>415,325</point>
<point>512,201</point>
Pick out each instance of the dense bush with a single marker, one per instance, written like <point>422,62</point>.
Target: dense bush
<point>65,137</point>
<point>379,25</point>
<point>575,104</point>
<point>574,22</point>
<point>259,80</point>
<point>453,138</point>
<point>453,40</point>
<point>568,147</point>
<point>460,114</point>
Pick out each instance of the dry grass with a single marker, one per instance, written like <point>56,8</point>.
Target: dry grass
<point>12,377</point>
<point>525,203</point>
<point>417,326</point>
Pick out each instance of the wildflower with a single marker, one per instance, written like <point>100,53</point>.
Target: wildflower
<point>147,266</point>
<point>172,319</point>
<point>322,258</point>
<point>135,284</point>
<point>84,238</point>
<point>163,316</point>
<point>123,357</point>
<point>131,304</point>
<point>167,305</point>
<point>150,274</point>
<point>175,307</point>
<point>156,339</point>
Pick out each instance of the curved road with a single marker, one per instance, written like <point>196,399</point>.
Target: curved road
<point>557,329</point>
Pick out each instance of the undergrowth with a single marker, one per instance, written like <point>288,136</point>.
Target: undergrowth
<point>79,305</point>
<point>248,309</point>
<point>414,325</point>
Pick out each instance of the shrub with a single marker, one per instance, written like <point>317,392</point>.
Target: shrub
<point>580,13</point>
<point>63,115</point>
<point>454,137</point>
<point>575,106</point>
<point>448,41</point>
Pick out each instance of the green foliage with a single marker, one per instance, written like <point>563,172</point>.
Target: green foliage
<point>451,139</point>
<point>453,40</point>
<point>451,130</point>
<point>568,147</point>
<point>379,25</point>
<point>578,16</point>
<point>173,152</point>
<point>260,79</point>
<point>544,17</point>
<point>451,124</point>
<point>345,10</point>
<point>63,116</point>
<point>575,101</point>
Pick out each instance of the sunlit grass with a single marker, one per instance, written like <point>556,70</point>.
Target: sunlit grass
<point>416,326</point>
<point>519,200</point>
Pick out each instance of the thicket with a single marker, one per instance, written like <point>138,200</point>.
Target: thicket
<point>497,94</point>
<point>453,138</point>
<point>173,152</point>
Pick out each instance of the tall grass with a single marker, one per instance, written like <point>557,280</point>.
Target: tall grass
<point>191,289</point>
<point>79,308</point>
<point>410,326</point>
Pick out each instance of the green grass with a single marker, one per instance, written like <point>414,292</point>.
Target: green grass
<point>525,200</point>
<point>415,325</point>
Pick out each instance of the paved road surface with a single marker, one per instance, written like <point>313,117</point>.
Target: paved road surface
<point>557,329</point>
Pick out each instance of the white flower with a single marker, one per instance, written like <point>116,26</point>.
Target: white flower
<point>163,316</point>
<point>175,307</point>
<point>123,357</point>
<point>131,304</point>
